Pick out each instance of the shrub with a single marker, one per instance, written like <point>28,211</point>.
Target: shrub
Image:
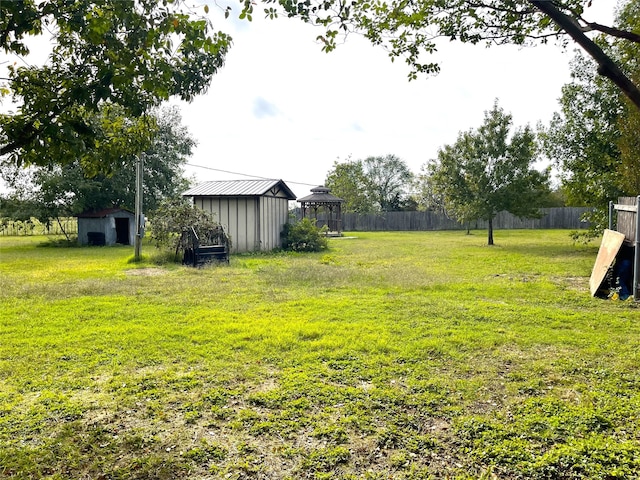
<point>304,236</point>
<point>172,217</point>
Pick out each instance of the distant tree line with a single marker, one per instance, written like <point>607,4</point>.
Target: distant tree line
<point>50,193</point>
<point>593,143</point>
<point>83,117</point>
<point>486,171</point>
<point>375,184</point>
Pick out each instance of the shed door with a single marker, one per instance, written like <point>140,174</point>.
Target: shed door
<point>122,231</point>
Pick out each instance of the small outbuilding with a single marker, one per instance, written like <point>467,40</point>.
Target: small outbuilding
<point>324,208</point>
<point>106,227</point>
<point>618,260</point>
<point>252,212</point>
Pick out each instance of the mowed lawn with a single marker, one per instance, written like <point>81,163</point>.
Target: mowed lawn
<point>390,356</point>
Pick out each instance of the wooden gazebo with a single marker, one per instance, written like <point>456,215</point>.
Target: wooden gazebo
<point>325,208</point>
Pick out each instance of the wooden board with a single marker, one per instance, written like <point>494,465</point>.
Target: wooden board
<point>609,247</point>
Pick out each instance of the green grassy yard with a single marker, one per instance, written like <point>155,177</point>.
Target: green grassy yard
<point>392,355</point>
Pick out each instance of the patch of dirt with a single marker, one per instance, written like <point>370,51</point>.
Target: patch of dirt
<point>146,272</point>
<point>572,283</point>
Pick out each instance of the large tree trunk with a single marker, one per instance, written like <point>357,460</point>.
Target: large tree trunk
<point>490,234</point>
<point>606,66</point>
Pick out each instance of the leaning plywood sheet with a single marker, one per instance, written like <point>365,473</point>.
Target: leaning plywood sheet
<point>611,243</point>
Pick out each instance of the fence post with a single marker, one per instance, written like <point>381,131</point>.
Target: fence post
<point>611,214</point>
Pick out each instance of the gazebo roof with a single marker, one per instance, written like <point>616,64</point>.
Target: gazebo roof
<point>320,195</point>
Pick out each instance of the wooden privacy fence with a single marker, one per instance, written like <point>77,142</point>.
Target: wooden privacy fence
<point>553,218</point>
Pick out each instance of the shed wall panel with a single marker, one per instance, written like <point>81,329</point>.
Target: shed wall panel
<point>253,239</point>
<point>274,213</point>
<point>270,216</point>
<point>238,217</point>
<point>110,232</point>
<point>229,213</point>
<point>264,227</point>
<point>86,225</point>
<point>242,240</point>
<point>223,217</point>
<point>264,230</point>
<point>253,223</point>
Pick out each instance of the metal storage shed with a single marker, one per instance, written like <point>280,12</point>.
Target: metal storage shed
<point>252,212</point>
<point>106,227</point>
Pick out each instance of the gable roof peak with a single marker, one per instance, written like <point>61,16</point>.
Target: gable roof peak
<point>240,188</point>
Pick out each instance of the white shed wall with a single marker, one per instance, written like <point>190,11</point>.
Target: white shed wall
<point>238,217</point>
<point>274,213</point>
<point>253,223</point>
<point>106,225</point>
<point>86,225</point>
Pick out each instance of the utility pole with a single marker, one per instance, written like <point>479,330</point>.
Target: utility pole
<point>139,216</point>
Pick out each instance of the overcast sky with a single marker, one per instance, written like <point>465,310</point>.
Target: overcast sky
<point>281,108</point>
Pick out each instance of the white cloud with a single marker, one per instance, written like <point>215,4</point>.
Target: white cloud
<point>263,108</point>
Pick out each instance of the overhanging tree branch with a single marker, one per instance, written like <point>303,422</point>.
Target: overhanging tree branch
<point>606,66</point>
<point>95,60</point>
<point>614,32</point>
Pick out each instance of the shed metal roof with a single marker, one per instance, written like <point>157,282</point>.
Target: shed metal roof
<point>104,213</point>
<point>239,188</point>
